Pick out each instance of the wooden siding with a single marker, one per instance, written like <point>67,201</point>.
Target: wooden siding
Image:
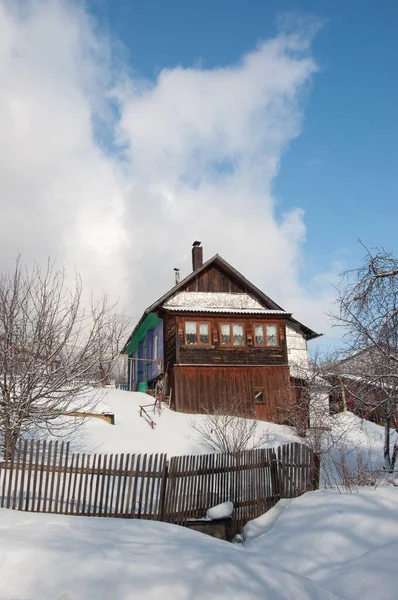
<point>201,389</point>
<point>218,354</point>
<point>214,279</point>
<point>170,340</point>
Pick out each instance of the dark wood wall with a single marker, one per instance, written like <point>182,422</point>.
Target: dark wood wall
<point>217,354</point>
<point>200,389</point>
<point>214,279</point>
<point>170,340</point>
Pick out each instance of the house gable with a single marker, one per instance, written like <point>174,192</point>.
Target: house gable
<point>217,275</point>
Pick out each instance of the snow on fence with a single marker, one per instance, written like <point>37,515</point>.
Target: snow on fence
<point>44,476</point>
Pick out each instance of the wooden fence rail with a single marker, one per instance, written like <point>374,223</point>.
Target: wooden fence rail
<point>45,476</point>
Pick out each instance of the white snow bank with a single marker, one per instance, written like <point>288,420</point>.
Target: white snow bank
<point>372,575</point>
<point>80,558</point>
<point>323,531</point>
<point>221,511</point>
<point>265,522</point>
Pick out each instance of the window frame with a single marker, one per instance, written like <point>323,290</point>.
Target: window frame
<point>265,344</point>
<point>263,397</point>
<point>198,323</point>
<point>231,334</point>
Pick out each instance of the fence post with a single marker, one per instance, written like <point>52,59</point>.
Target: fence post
<point>275,476</point>
<point>316,469</point>
<point>163,486</point>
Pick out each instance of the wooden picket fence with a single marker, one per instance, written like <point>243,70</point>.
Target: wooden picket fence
<point>45,477</point>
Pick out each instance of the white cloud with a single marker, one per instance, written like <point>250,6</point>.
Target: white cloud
<point>201,150</point>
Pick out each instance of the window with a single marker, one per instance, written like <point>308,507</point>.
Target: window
<point>203,333</point>
<point>259,396</point>
<point>232,334</point>
<point>197,333</point>
<point>259,335</point>
<point>190,333</point>
<point>266,335</point>
<point>156,347</point>
<point>225,334</point>
<point>272,335</point>
<point>239,339</point>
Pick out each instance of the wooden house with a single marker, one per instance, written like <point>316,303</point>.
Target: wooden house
<point>217,339</point>
<point>364,382</point>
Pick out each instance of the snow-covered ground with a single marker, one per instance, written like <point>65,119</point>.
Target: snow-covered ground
<point>131,433</point>
<point>347,543</point>
<point>321,546</point>
<point>50,557</point>
<point>353,442</point>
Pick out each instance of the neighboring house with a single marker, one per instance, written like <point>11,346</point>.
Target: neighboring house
<point>218,339</point>
<point>365,382</point>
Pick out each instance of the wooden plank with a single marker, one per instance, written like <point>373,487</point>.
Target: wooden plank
<point>78,505</point>
<point>5,473</point>
<point>47,475</point>
<point>41,476</point>
<point>75,487</point>
<point>32,475</point>
<point>61,472</point>
<point>122,509</point>
<point>35,472</point>
<point>10,477</point>
<point>69,493</point>
<point>62,507</point>
<point>173,475</point>
<point>22,484</point>
<point>196,482</point>
<point>119,484</point>
<point>308,476</point>
<point>154,484</point>
<point>102,492</point>
<point>316,462</point>
<point>85,487</point>
<point>191,495</point>
<point>108,502</point>
<point>16,472</point>
<point>205,469</point>
<point>141,486</point>
<point>162,497</point>
<point>53,474</point>
<point>114,475</point>
<point>184,475</point>
<point>91,487</point>
<point>138,460</point>
<point>98,481</point>
<point>129,512</point>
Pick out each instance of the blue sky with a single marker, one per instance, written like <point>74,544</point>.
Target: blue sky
<point>277,151</point>
<point>342,169</point>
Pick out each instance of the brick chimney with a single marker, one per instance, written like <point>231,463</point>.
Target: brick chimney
<point>197,256</point>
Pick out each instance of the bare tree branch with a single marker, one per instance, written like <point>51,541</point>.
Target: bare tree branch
<point>53,349</point>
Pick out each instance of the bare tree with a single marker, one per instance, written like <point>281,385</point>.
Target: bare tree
<point>52,349</point>
<point>368,312</point>
<point>229,430</point>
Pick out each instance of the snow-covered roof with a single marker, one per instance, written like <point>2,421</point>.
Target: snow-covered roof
<point>218,302</point>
